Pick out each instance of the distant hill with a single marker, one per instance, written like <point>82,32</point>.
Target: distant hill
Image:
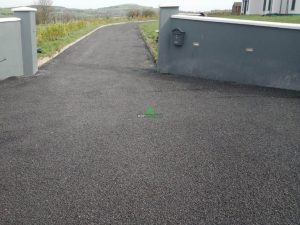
<point>112,11</point>
<point>121,10</point>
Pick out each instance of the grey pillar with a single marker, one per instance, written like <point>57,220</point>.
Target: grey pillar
<point>164,36</point>
<point>28,34</point>
<point>11,61</point>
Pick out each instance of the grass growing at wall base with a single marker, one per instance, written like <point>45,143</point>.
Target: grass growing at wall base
<point>51,38</point>
<point>149,32</point>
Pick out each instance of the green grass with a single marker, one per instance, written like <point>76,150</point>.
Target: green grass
<point>51,38</point>
<point>149,32</point>
<point>50,47</point>
<point>280,19</point>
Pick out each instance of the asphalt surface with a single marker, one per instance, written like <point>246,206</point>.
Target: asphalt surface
<point>73,150</point>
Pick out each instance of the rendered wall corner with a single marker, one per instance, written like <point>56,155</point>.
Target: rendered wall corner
<point>28,35</point>
<point>11,61</point>
<point>164,41</point>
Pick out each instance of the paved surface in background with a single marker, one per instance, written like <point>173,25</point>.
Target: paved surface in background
<point>72,150</point>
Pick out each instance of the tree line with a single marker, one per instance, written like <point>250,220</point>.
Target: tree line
<point>141,13</point>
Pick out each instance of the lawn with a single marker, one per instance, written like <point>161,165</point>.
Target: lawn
<point>149,32</point>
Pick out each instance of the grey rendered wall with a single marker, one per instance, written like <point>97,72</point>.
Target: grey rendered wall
<point>28,34</point>
<point>225,53</point>
<point>164,26</point>
<point>11,63</point>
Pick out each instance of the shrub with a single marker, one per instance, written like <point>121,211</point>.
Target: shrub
<point>134,13</point>
<point>148,13</point>
<point>55,31</point>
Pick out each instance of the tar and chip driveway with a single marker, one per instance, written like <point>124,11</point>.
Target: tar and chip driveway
<point>73,150</point>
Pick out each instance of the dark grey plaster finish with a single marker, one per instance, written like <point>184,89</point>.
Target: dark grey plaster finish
<point>29,45</point>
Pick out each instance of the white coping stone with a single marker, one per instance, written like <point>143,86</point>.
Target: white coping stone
<point>10,19</point>
<point>24,9</point>
<point>168,6</point>
<point>242,22</point>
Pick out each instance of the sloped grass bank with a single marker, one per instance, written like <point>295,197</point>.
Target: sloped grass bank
<point>149,33</point>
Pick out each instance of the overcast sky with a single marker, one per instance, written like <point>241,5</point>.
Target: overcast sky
<point>193,5</point>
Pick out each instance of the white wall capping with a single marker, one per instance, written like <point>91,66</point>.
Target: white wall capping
<point>241,22</point>
<point>24,9</point>
<point>10,19</point>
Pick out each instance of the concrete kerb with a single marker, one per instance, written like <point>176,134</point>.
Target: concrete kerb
<point>45,60</point>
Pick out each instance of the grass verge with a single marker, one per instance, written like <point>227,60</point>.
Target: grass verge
<point>51,38</point>
<point>148,31</point>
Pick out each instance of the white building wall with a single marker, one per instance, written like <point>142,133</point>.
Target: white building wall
<point>273,8</point>
<point>242,7</point>
<point>284,7</point>
<point>255,7</point>
<point>297,7</point>
<point>278,7</point>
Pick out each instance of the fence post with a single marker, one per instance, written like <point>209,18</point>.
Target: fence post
<point>28,35</point>
<point>166,11</point>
